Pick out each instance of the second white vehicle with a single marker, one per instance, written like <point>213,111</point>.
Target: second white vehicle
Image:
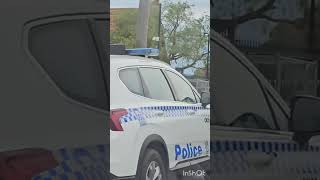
<point>158,119</point>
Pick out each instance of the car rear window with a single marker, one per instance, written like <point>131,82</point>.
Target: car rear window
<point>131,78</point>
<point>68,53</point>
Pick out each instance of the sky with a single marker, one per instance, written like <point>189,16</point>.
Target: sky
<point>201,7</point>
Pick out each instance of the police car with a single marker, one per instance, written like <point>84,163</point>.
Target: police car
<point>159,122</point>
<point>255,135</point>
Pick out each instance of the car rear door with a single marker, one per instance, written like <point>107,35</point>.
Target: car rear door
<point>71,53</point>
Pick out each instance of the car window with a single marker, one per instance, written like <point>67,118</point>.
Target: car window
<point>250,120</point>
<point>155,84</point>
<point>102,29</point>
<point>102,26</point>
<point>281,117</point>
<point>197,97</point>
<point>67,52</point>
<point>181,88</point>
<point>237,91</point>
<point>131,78</point>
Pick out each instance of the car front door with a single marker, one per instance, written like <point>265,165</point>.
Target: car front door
<point>250,137</point>
<point>196,120</point>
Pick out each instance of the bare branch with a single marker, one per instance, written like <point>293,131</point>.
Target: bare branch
<point>194,62</point>
<point>252,15</point>
<point>257,14</point>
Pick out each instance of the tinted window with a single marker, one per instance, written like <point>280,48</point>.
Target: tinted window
<point>250,121</point>
<point>237,91</point>
<point>182,89</point>
<point>103,28</point>
<point>281,117</point>
<point>156,85</point>
<point>66,50</point>
<point>131,78</point>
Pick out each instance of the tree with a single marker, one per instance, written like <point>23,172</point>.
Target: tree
<point>124,32</point>
<point>183,36</point>
<point>125,29</point>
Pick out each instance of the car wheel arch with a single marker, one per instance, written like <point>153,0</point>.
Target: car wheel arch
<point>154,141</point>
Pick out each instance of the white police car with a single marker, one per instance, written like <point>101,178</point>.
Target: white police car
<point>254,133</point>
<point>158,122</point>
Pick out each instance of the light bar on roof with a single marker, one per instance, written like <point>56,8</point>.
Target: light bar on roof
<point>148,52</point>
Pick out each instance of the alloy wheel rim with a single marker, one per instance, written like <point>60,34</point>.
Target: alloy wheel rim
<point>153,171</point>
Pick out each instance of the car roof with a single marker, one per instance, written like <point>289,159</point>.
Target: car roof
<point>125,60</point>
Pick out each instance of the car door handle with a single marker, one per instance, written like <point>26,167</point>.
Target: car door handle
<point>259,159</point>
<point>191,112</point>
<point>159,113</point>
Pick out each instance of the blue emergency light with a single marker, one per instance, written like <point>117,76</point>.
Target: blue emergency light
<point>148,52</point>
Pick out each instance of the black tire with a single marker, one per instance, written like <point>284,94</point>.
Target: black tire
<point>150,158</point>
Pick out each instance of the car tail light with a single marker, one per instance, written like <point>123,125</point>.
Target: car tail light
<point>115,124</point>
<point>25,164</point>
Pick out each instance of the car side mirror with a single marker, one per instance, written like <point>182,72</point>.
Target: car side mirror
<point>305,118</point>
<point>205,99</point>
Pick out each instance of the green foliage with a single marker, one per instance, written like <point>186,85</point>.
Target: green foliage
<point>125,32</point>
<point>200,73</point>
<point>184,35</point>
<point>125,29</point>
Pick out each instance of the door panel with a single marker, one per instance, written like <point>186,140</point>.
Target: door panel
<point>196,121</point>
<point>258,154</point>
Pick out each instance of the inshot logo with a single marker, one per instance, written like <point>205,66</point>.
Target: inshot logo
<point>188,151</point>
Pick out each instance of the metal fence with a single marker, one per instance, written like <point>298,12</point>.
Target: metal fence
<point>291,76</point>
<point>242,43</point>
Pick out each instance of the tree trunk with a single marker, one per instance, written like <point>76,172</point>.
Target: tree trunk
<point>142,23</point>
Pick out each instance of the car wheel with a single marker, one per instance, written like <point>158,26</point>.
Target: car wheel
<point>152,166</point>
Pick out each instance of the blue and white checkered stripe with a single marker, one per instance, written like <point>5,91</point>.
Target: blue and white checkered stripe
<point>229,158</point>
<point>143,113</point>
<point>85,163</point>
